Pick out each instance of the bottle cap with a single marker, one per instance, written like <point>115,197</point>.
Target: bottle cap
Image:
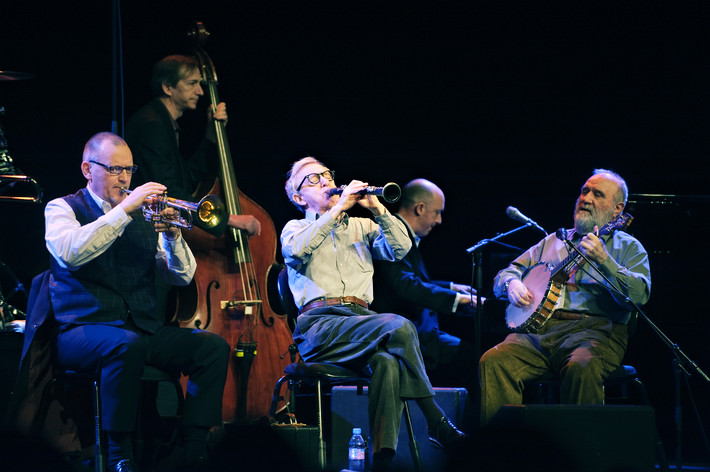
<point>357,431</point>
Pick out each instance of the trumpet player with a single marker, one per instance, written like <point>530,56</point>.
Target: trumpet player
<point>104,260</point>
<point>330,266</point>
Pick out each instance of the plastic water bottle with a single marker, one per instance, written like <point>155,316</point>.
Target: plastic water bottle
<point>356,451</point>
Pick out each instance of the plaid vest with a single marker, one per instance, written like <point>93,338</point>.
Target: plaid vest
<point>116,286</point>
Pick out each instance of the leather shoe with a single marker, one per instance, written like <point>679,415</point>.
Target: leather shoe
<point>445,434</point>
<point>124,465</point>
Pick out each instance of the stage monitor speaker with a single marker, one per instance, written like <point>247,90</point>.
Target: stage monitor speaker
<point>349,410</point>
<point>579,438</point>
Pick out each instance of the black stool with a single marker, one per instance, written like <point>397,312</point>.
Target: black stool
<point>150,379</point>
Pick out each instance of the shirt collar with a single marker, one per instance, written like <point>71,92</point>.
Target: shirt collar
<point>103,204</point>
<point>312,216</point>
<point>414,236</point>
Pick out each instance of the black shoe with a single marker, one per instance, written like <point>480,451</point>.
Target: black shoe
<point>125,465</point>
<point>445,434</point>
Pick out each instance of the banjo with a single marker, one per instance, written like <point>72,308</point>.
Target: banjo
<point>545,282</point>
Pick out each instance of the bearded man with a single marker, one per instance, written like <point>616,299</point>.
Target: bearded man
<point>585,337</point>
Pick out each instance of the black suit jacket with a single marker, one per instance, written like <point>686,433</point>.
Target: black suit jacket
<point>404,287</point>
<point>151,137</point>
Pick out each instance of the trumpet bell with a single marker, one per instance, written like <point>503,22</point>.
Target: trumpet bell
<point>210,211</point>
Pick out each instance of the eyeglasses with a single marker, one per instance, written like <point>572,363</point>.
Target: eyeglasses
<point>116,170</point>
<point>315,178</point>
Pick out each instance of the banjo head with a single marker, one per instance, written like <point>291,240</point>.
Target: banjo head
<point>537,280</point>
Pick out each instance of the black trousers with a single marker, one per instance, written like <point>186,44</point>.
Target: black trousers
<point>120,354</point>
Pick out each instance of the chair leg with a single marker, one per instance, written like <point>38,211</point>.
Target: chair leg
<point>99,465</point>
<point>321,441</point>
<point>413,447</point>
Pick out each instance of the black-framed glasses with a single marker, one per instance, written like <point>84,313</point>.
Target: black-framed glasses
<point>116,170</point>
<point>315,178</point>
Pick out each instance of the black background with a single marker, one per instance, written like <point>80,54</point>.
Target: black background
<point>499,103</point>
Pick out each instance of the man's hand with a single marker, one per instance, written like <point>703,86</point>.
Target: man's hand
<point>248,223</point>
<point>141,196</point>
<point>518,294</point>
<point>219,112</point>
<point>349,197</point>
<point>468,295</point>
<point>593,247</point>
<point>171,231</point>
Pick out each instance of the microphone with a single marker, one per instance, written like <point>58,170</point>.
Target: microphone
<point>514,213</point>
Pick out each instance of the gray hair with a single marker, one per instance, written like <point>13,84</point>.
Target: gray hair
<point>291,184</point>
<point>623,193</point>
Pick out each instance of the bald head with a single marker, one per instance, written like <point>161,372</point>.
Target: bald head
<point>96,145</point>
<point>422,204</point>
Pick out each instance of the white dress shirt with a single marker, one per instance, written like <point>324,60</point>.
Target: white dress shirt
<point>73,245</point>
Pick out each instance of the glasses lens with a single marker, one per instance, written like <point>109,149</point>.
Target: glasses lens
<point>315,178</point>
<point>116,170</point>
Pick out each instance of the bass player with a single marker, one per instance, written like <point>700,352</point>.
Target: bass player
<point>584,337</point>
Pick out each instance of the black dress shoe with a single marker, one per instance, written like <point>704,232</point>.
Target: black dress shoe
<point>125,465</point>
<point>445,434</point>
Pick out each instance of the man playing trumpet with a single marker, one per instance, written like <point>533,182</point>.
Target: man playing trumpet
<point>102,286</point>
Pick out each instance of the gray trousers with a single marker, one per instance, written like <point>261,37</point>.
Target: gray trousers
<point>385,346</point>
<point>581,352</point>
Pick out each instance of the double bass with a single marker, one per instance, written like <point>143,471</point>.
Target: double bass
<point>228,293</point>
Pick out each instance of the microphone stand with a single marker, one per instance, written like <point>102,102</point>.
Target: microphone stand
<point>681,361</point>
<point>477,276</point>
<point>477,283</point>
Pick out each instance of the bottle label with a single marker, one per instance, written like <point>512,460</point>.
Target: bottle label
<point>356,454</point>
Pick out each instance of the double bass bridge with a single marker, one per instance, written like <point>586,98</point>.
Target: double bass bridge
<point>245,307</point>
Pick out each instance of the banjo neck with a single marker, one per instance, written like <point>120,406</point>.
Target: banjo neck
<point>569,265</point>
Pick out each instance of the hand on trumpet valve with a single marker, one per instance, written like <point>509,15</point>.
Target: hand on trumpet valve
<point>142,195</point>
<point>163,225</point>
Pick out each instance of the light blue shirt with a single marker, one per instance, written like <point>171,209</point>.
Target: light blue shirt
<point>333,258</point>
<point>627,267</point>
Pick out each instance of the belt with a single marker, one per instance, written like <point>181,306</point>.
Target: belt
<point>322,302</point>
<point>567,315</point>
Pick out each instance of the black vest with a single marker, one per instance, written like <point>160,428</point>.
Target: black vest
<point>117,285</point>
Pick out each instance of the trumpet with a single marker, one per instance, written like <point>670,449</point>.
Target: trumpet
<point>390,192</point>
<point>210,210</point>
